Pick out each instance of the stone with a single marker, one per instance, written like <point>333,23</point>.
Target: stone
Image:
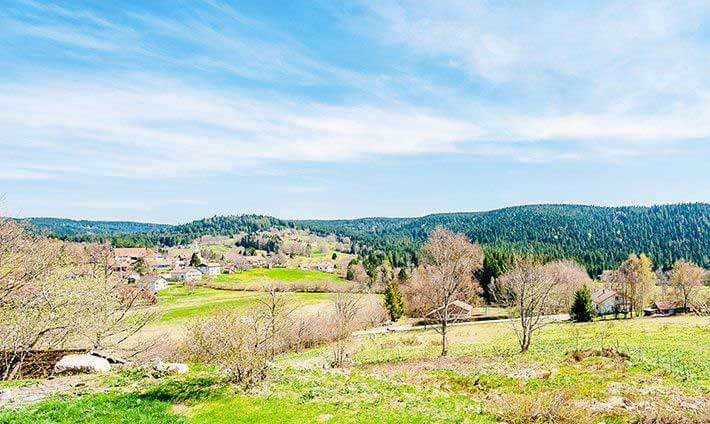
<point>170,367</point>
<point>83,363</point>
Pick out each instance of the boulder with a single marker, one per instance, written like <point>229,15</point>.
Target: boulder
<point>158,368</point>
<point>84,363</point>
<point>171,367</point>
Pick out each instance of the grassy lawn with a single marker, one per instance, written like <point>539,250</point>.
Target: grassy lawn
<point>257,278</point>
<point>176,304</point>
<point>398,378</point>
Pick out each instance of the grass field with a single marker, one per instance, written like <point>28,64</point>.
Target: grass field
<point>397,378</point>
<point>176,304</point>
<point>257,278</point>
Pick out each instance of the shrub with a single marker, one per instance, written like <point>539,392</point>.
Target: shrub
<point>234,342</point>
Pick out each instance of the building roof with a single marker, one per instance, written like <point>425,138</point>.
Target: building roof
<point>157,262</point>
<point>186,269</point>
<point>600,296</point>
<point>133,252</point>
<point>151,278</point>
<point>662,305</point>
<point>459,304</point>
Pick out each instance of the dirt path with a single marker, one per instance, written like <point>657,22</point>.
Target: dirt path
<point>396,328</point>
<point>37,391</point>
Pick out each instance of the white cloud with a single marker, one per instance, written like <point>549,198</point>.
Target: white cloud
<point>143,128</point>
<point>611,81</point>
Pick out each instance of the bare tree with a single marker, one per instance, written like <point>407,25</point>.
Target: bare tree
<point>568,276</point>
<point>444,276</point>
<point>686,279</point>
<point>529,290</point>
<point>24,257</point>
<point>50,298</point>
<point>634,280</point>
<point>345,310</point>
<point>275,311</point>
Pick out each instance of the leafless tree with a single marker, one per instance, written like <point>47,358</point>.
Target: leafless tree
<point>275,310</point>
<point>343,322</point>
<point>634,280</point>
<point>50,299</point>
<point>529,290</point>
<point>686,280</point>
<point>568,276</point>
<point>445,275</point>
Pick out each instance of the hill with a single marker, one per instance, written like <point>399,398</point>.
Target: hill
<point>62,227</point>
<point>599,237</point>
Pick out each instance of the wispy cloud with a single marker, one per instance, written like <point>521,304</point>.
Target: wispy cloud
<point>209,90</point>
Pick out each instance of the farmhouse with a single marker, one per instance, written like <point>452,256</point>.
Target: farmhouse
<point>210,268</point>
<point>152,283</point>
<point>608,301</point>
<point>325,267</point>
<point>159,264</point>
<point>665,308</point>
<point>457,310</point>
<point>185,274</point>
<point>130,253</point>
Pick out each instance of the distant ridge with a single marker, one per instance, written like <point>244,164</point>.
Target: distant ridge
<point>598,236</point>
<point>63,227</point>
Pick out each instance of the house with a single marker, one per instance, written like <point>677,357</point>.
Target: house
<point>325,267</point>
<point>608,301</point>
<point>129,253</point>
<point>159,264</point>
<point>152,283</point>
<point>185,274</point>
<point>133,277</point>
<point>665,308</point>
<point>120,266</point>
<point>210,268</point>
<point>457,310</point>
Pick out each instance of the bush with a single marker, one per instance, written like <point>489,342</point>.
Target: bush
<point>236,343</point>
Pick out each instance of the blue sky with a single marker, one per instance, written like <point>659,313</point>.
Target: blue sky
<point>168,111</point>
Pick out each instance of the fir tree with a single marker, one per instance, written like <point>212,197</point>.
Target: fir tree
<point>582,308</point>
<point>393,301</point>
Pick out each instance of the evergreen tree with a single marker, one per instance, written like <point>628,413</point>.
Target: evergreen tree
<point>582,308</point>
<point>393,301</point>
<point>335,256</point>
<point>402,276</point>
<point>195,260</point>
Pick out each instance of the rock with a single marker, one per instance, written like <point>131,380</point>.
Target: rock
<point>171,367</point>
<point>108,356</point>
<point>6,394</point>
<point>82,364</point>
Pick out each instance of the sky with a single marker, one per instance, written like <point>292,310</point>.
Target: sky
<point>169,111</point>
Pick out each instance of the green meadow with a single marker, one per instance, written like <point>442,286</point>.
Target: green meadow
<point>398,378</point>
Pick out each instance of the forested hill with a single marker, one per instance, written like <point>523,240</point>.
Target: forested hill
<point>61,227</point>
<point>132,234</point>
<point>600,237</point>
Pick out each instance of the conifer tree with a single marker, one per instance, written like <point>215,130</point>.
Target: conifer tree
<point>582,308</point>
<point>393,301</point>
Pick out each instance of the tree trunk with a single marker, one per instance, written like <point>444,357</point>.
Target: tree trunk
<point>444,341</point>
